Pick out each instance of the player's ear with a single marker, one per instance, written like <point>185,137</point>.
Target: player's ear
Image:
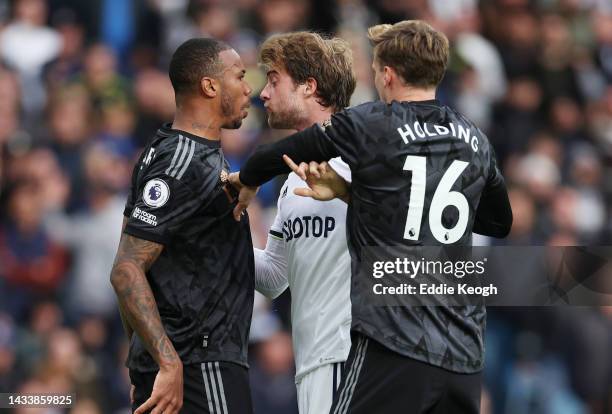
<point>310,87</point>
<point>388,75</point>
<point>209,87</point>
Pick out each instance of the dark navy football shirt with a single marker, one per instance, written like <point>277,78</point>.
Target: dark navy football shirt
<point>203,281</point>
<point>422,174</point>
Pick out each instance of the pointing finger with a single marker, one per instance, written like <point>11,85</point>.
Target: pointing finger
<point>294,167</point>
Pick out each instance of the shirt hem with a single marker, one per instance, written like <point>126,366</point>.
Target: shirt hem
<point>189,362</point>
<point>405,350</point>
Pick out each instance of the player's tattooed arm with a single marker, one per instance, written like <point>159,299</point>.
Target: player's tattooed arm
<point>126,324</point>
<point>136,300</point>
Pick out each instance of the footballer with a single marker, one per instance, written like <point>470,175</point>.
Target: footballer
<point>411,158</point>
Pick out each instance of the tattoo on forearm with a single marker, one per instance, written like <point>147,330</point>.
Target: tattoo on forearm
<point>126,324</point>
<point>136,299</point>
<point>124,321</point>
<point>141,253</point>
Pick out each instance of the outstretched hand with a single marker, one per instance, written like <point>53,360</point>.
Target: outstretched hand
<point>323,181</point>
<point>245,195</point>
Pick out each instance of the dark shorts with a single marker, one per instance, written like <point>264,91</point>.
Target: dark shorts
<point>210,388</point>
<point>377,380</point>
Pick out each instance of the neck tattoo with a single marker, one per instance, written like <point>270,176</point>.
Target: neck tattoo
<point>196,125</point>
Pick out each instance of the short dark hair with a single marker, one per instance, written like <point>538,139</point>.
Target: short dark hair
<point>309,55</point>
<point>193,60</point>
<point>417,51</point>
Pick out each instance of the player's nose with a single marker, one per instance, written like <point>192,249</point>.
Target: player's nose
<point>264,95</point>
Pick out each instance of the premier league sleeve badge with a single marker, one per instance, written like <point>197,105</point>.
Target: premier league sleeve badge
<point>155,193</point>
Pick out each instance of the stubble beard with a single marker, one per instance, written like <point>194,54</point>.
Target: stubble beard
<point>227,112</point>
<point>290,117</point>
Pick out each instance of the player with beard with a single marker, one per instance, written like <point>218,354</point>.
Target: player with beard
<point>422,175</point>
<point>308,79</point>
<point>184,270</point>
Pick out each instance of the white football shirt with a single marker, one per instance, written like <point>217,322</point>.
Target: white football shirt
<point>312,236</point>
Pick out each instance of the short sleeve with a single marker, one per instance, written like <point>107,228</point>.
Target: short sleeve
<point>129,204</point>
<point>161,205</point>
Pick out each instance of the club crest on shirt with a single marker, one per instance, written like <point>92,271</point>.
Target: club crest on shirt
<point>326,123</point>
<point>155,193</point>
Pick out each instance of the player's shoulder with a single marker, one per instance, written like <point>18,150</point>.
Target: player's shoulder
<point>185,160</point>
<point>363,116</point>
<point>460,118</point>
<point>366,109</point>
<point>485,148</point>
<point>184,156</point>
<point>466,122</point>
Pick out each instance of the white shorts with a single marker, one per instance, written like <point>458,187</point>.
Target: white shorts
<point>316,390</point>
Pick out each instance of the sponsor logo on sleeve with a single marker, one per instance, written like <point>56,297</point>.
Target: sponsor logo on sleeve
<point>156,193</point>
<point>148,218</point>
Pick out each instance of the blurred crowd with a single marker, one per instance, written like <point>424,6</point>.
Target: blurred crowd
<point>83,85</point>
